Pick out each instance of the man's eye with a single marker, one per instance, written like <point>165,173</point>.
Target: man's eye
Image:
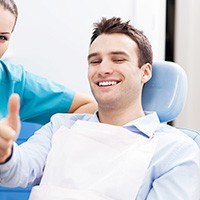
<point>95,62</point>
<point>120,60</point>
<point>3,38</point>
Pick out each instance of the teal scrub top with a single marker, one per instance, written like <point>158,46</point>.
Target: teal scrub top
<point>39,97</point>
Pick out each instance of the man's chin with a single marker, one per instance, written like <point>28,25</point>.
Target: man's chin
<point>107,104</point>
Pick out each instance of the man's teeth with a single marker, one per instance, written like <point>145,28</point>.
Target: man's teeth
<point>107,83</point>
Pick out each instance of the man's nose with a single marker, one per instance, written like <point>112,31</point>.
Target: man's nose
<point>105,68</point>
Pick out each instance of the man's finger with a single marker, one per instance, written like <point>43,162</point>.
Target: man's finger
<point>14,105</point>
<point>5,146</point>
<point>13,116</point>
<point>7,133</point>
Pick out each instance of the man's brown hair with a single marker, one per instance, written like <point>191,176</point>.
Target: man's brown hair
<point>115,25</point>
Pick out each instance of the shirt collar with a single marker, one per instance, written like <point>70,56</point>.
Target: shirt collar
<point>94,117</point>
<point>147,124</point>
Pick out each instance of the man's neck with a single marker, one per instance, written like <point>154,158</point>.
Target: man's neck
<point>120,117</point>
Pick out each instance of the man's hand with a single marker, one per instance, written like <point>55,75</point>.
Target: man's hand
<point>9,128</point>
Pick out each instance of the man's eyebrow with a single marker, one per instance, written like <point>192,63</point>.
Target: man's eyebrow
<point>92,55</point>
<point>111,53</point>
<point>118,53</point>
<point>5,33</point>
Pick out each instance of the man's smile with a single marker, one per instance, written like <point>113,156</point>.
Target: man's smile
<point>107,83</point>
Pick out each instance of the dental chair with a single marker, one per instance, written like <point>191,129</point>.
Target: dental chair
<point>165,93</point>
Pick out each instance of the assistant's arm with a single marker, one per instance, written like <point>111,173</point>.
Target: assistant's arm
<point>40,98</point>
<point>82,103</point>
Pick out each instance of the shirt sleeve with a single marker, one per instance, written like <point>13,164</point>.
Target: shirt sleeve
<point>40,97</point>
<point>26,165</point>
<point>181,177</point>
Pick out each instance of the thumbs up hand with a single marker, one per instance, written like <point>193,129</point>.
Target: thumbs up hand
<point>9,128</point>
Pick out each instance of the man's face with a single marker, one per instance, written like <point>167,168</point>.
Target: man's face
<point>114,76</point>
<point>7,21</point>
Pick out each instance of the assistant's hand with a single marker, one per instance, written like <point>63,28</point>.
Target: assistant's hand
<point>9,128</point>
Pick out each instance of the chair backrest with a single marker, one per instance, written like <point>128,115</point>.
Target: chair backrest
<point>166,93</point>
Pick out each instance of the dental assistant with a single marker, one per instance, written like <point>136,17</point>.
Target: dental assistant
<point>40,98</point>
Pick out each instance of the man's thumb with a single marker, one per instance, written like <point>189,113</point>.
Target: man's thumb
<point>13,114</point>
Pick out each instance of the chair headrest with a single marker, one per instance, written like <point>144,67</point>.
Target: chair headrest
<point>165,93</point>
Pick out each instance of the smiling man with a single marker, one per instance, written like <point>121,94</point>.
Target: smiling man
<point>116,77</point>
<point>120,152</point>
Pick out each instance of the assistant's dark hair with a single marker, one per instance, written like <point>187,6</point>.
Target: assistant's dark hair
<point>11,6</point>
<point>115,25</point>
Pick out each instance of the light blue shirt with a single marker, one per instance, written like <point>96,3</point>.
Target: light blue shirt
<point>39,97</point>
<point>173,173</point>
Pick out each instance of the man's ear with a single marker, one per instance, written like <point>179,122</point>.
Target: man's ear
<point>146,72</point>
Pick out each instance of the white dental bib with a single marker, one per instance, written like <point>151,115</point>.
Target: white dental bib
<point>95,161</point>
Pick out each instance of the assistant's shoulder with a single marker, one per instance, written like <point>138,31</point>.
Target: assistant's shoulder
<point>10,71</point>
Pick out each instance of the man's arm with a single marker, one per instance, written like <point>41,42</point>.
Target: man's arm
<point>21,165</point>
<point>182,179</point>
